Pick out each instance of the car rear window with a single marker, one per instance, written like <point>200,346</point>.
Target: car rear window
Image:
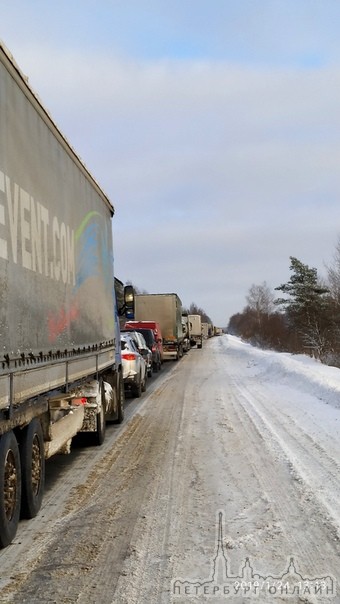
<point>148,336</point>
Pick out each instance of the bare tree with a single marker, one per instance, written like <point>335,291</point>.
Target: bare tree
<point>196,310</point>
<point>333,274</point>
<point>260,299</point>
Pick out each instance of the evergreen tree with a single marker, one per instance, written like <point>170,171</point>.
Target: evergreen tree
<point>306,305</point>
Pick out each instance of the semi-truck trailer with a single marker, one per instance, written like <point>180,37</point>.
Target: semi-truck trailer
<point>185,328</point>
<point>60,365</point>
<point>195,330</point>
<point>206,330</point>
<point>165,309</point>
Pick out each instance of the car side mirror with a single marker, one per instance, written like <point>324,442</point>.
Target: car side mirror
<point>129,301</point>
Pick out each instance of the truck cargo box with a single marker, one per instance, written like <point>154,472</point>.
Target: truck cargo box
<point>56,264</point>
<point>165,309</point>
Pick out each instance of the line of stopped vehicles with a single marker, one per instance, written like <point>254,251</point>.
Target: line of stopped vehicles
<point>160,331</point>
<point>66,363</point>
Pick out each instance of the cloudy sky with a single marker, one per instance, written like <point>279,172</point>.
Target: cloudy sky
<point>212,125</point>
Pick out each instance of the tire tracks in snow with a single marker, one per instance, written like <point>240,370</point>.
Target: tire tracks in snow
<point>280,462</point>
<point>309,461</point>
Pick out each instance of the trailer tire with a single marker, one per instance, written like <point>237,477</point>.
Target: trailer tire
<point>99,434</point>
<point>10,488</point>
<point>121,400</point>
<point>32,469</point>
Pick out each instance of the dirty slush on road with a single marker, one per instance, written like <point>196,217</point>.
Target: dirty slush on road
<point>192,499</point>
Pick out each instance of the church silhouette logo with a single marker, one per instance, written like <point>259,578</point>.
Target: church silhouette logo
<point>248,583</point>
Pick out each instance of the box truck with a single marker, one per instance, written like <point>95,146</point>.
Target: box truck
<point>60,371</point>
<point>165,309</point>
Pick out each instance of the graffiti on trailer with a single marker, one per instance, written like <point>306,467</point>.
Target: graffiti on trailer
<point>93,259</point>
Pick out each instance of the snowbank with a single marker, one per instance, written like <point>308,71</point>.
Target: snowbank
<point>297,371</point>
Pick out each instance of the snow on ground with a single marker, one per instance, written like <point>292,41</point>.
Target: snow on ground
<point>303,415</point>
<point>296,371</point>
<point>230,434</point>
<point>264,441</point>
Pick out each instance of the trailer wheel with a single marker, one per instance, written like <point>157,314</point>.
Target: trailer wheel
<point>32,469</point>
<point>99,435</point>
<point>121,400</point>
<point>10,488</point>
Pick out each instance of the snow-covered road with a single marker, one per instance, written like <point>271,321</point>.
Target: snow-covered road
<point>224,485</point>
<point>265,450</point>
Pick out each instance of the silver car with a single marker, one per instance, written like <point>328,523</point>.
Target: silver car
<point>134,366</point>
<point>142,347</point>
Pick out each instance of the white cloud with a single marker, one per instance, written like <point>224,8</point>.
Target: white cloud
<point>218,171</point>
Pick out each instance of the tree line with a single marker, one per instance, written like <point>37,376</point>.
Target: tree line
<point>303,318</point>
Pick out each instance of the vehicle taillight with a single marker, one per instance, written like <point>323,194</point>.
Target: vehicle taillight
<point>129,356</point>
<point>79,401</point>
